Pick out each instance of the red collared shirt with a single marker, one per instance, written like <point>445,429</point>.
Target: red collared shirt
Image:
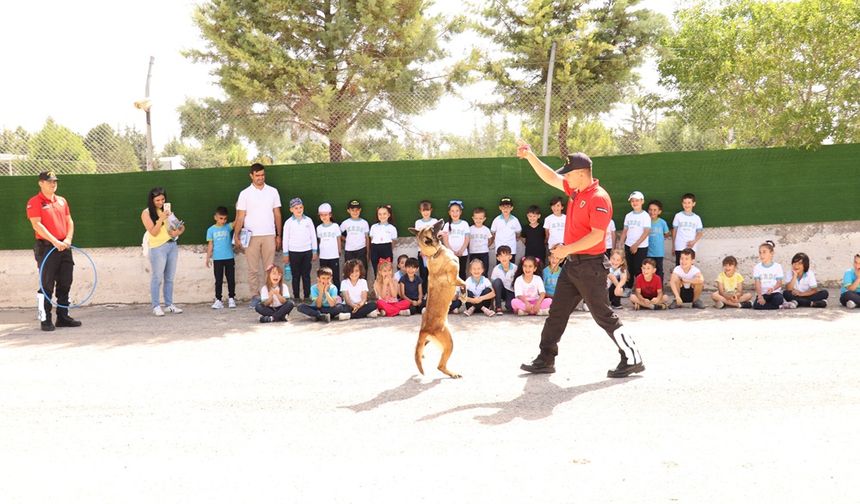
<point>54,214</point>
<point>588,209</point>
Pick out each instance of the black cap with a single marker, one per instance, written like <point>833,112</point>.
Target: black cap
<point>506,200</point>
<point>575,161</point>
<point>48,175</point>
<point>353,204</point>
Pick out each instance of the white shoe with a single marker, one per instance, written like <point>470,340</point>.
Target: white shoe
<point>719,304</point>
<point>217,305</point>
<point>405,313</point>
<point>469,311</point>
<point>343,316</point>
<point>788,305</point>
<point>174,309</point>
<point>373,314</point>
<point>583,307</point>
<point>521,313</point>
<point>157,311</point>
<point>231,303</point>
<point>850,304</point>
<point>543,312</point>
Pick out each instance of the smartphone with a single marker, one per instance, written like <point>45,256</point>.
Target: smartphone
<point>166,207</point>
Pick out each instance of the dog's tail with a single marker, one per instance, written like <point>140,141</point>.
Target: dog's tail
<point>419,351</point>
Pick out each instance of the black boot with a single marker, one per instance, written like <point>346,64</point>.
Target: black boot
<point>64,320</point>
<point>47,325</point>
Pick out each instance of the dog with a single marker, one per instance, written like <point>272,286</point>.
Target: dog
<point>442,270</point>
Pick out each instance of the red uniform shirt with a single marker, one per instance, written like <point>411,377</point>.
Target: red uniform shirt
<point>588,209</point>
<point>648,289</point>
<point>54,215</point>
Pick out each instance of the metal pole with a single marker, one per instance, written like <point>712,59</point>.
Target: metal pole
<point>149,154</point>
<point>545,143</point>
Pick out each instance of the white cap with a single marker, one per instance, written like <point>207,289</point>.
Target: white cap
<point>636,195</point>
<point>325,208</point>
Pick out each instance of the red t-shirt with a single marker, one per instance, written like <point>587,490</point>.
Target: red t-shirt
<point>649,289</point>
<point>54,215</point>
<point>588,209</point>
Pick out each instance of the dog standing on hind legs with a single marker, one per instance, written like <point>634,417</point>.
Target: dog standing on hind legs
<point>442,271</point>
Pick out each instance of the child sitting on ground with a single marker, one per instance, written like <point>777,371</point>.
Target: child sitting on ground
<point>274,305</point>
<point>617,278</point>
<point>479,291</point>
<point>551,274</point>
<point>730,287</point>
<point>529,291</point>
<point>411,288</point>
<point>324,303</point>
<point>802,289</point>
<point>401,267</point>
<point>768,277</point>
<point>648,288</point>
<point>502,279</point>
<point>849,294</point>
<point>353,290</point>
<point>687,282</point>
<point>386,290</point>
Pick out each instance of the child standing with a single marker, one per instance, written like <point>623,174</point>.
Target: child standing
<point>330,242</point>
<point>686,227</point>
<point>357,231</point>
<point>529,291</point>
<point>802,289</point>
<point>479,291</point>
<point>411,288</point>
<point>382,235</point>
<point>610,237</point>
<point>386,289</point>
<point>637,227</point>
<point>456,235</point>
<point>220,254</point>
<point>426,220</point>
<point>534,236</point>
<point>506,228</point>
<point>617,278</point>
<point>479,238</point>
<point>502,278</point>
<point>353,290</point>
<point>657,237</point>
<point>551,274</point>
<point>649,289</point>
<point>730,287</point>
<point>849,294</point>
<point>274,305</point>
<point>768,277</point>
<point>324,303</point>
<point>687,282</point>
<point>554,223</point>
<point>401,267</point>
<point>300,247</point>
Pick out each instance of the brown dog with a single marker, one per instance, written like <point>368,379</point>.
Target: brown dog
<point>442,282</point>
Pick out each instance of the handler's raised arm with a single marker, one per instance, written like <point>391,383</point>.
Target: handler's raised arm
<point>547,174</point>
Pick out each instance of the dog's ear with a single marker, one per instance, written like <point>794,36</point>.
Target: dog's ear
<point>437,228</point>
<point>414,231</point>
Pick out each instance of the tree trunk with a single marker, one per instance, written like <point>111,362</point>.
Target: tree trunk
<point>562,135</point>
<point>335,151</point>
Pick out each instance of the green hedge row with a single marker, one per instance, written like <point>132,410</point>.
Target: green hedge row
<point>733,187</point>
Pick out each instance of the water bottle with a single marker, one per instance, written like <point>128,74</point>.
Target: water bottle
<point>288,274</point>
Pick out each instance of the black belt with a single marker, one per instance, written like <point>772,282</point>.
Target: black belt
<point>584,257</point>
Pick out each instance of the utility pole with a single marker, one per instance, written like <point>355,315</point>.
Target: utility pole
<point>149,155</point>
<point>545,143</point>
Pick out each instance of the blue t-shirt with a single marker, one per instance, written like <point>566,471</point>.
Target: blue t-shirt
<point>315,293</point>
<point>222,241</point>
<point>657,238</point>
<point>550,280</point>
<point>849,278</point>
<point>411,287</point>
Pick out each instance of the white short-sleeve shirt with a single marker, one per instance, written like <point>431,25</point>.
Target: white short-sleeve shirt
<point>505,232</point>
<point>507,277</point>
<point>768,275</point>
<point>258,205</point>
<point>686,226</point>
<point>531,290</point>
<point>421,223</point>
<point>479,239</point>
<point>636,224</point>
<point>328,236</point>
<point>382,233</point>
<point>264,295</point>
<point>352,292</point>
<point>474,289</point>
<point>457,233</point>
<point>555,225</point>
<point>356,233</point>
<point>686,276</point>
<point>806,282</point>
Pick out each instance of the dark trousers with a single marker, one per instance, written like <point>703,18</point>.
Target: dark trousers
<point>360,254</point>
<point>582,278</point>
<point>677,258</point>
<point>771,301</point>
<point>455,305</point>
<point>414,310</point>
<point>334,264</point>
<point>485,258</point>
<point>224,267</point>
<point>849,296</point>
<point>503,295</point>
<point>634,263</point>
<point>380,251</point>
<point>659,261</point>
<point>314,312</point>
<point>487,303</point>
<point>279,314</point>
<point>613,299</point>
<point>362,312</point>
<point>464,266</point>
<point>300,265</point>
<point>806,300</point>
<point>422,272</point>
<point>56,275</point>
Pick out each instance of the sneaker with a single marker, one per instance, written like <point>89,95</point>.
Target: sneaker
<point>719,305</point>
<point>543,312</point>
<point>157,311</point>
<point>583,307</point>
<point>746,304</point>
<point>266,319</point>
<point>488,312</point>
<point>174,309</point>
<point>698,304</point>
<point>619,307</point>
<point>538,366</point>
<point>217,305</point>
<point>405,313</point>
<point>626,292</point>
<point>521,312</point>
<point>47,325</point>
<point>788,305</point>
<point>819,304</point>
<point>343,316</point>
<point>67,321</point>
<point>324,317</point>
<point>423,310</point>
<point>674,304</point>
<point>470,310</point>
<point>373,314</point>
<point>661,306</point>
<point>231,303</point>
<point>850,304</point>
<point>624,370</point>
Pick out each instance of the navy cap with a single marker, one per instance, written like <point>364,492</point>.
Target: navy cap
<point>575,161</point>
<point>48,175</point>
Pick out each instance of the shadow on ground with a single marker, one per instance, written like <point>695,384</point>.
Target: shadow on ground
<point>412,387</point>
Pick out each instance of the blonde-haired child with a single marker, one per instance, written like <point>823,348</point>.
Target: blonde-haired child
<point>616,278</point>
<point>274,305</point>
<point>386,289</point>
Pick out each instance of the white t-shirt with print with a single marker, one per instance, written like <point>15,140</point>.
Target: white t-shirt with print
<point>328,236</point>
<point>686,226</point>
<point>352,292</point>
<point>479,239</point>
<point>505,232</point>
<point>457,233</point>
<point>531,290</point>
<point>507,277</point>
<point>636,224</point>
<point>382,233</point>
<point>356,233</point>
<point>768,276</point>
<point>474,289</point>
<point>264,295</point>
<point>686,277</point>
<point>555,224</point>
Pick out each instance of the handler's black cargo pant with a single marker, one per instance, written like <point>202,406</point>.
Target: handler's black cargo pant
<point>58,271</point>
<point>583,277</point>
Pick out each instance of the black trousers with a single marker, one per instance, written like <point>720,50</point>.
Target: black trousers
<point>300,265</point>
<point>464,266</point>
<point>487,303</point>
<point>634,263</point>
<point>360,254</point>
<point>224,267</point>
<point>334,264</point>
<point>56,275</point>
<point>380,251</point>
<point>806,300</point>
<point>280,313</point>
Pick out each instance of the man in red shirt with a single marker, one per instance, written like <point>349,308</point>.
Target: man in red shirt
<point>52,222</point>
<point>583,276</point>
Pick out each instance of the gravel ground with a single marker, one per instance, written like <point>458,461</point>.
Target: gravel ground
<point>206,406</point>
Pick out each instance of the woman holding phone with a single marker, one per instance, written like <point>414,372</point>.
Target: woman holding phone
<point>162,229</point>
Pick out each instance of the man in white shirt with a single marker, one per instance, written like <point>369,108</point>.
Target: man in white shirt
<point>258,210</point>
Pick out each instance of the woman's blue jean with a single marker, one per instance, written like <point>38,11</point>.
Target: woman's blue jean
<point>163,261</point>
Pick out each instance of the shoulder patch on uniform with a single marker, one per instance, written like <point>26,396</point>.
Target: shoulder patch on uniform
<point>601,209</point>
<point>582,204</point>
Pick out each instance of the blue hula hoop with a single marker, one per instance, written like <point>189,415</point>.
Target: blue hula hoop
<point>95,279</point>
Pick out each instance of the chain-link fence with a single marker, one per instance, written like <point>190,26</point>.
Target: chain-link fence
<point>467,123</point>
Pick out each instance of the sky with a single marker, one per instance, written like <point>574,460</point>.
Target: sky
<point>84,63</point>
